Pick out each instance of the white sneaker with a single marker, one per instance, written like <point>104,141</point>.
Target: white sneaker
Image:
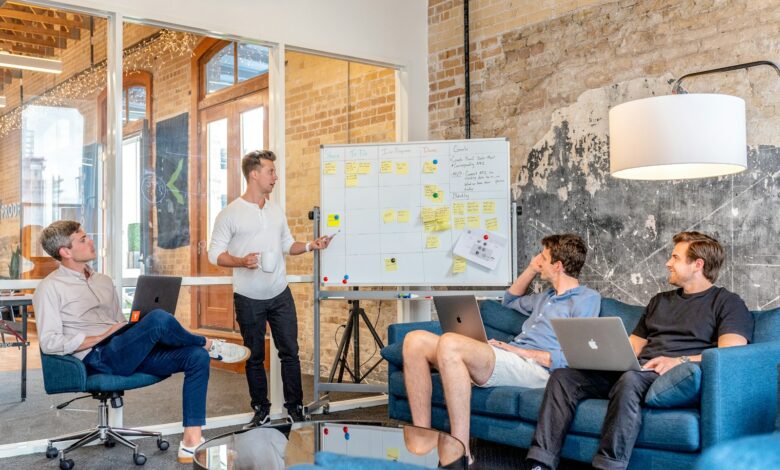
<point>187,453</point>
<point>226,352</point>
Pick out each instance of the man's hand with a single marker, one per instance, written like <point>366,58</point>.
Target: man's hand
<point>320,243</point>
<point>250,261</point>
<point>535,265</point>
<point>113,328</point>
<point>662,364</point>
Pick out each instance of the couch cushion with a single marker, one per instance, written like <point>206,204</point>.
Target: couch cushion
<point>501,323</point>
<point>767,326</point>
<point>630,314</point>
<point>393,353</point>
<point>679,387</point>
<point>495,401</point>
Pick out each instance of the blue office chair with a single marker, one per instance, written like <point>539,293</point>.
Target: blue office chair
<point>66,374</point>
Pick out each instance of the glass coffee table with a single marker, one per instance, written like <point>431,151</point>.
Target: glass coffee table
<point>277,446</point>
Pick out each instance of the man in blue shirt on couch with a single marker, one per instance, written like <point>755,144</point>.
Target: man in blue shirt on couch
<point>525,362</point>
<point>674,329</point>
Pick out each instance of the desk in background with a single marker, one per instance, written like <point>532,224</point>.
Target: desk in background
<point>21,301</point>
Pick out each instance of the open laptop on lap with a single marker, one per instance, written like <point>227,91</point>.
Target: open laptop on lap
<point>460,314</point>
<point>596,344</point>
<point>151,293</point>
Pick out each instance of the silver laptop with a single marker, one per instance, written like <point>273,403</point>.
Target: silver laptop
<point>460,314</point>
<point>595,343</point>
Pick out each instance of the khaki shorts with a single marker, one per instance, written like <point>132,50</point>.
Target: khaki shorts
<point>516,371</point>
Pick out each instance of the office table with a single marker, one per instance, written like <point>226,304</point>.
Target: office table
<point>21,301</point>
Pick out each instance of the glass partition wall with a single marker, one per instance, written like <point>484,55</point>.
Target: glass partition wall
<point>191,106</point>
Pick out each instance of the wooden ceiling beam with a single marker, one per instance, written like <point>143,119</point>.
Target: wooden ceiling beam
<point>39,51</point>
<point>58,43</point>
<point>52,19</point>
<point>73,33</point>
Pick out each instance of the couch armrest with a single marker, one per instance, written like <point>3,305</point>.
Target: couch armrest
<point>397,331</point>
<point>739,391</point>
<point>62,374</point>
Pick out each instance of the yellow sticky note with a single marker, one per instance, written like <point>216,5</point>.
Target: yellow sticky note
<point>393,453</point>
<point>329,168</point>
<point>489,207</point>
<point>428,214</point>
<point>403,216</point>
<point>460,223</point>
<point>442,218</point>
<point>334,220</point>
<point>364,168</point>
<point>350,168</point>
<point>458,265</point>
<point>386,166</point>
<point>491,224</point>
<point>473,207</point>
<point>429,226</point>
<point>402,168</point>
<point>459,208</point>
<point>432,241</point>
<point>433,193</point>
<point>473,221</point>
<point>388,216</point>
<point>391,264</point>
<point>351,181</point>
<point>429,167</point>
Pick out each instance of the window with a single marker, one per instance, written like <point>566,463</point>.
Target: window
<point>234,63</point>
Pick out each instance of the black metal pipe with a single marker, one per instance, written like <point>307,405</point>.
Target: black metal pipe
<point>466,67</point>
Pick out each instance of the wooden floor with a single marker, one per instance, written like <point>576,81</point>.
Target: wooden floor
<point>11,358</point>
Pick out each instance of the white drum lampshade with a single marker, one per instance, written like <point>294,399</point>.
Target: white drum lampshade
<point>678,137</point>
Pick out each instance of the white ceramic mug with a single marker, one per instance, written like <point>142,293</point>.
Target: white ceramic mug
<point>268,260</point>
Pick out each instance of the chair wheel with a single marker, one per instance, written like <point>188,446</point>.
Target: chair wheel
<point>162,444</point>
<point>66,464</point>
<point>51,452</point>
<point>139,459</point>
<point>110,443</point>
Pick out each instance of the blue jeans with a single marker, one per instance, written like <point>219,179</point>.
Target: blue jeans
<point>159,345</point>
<point>279,312</point>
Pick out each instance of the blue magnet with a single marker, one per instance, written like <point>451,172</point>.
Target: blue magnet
<point>346,276</point>
<point>346,436</point>
<point>436,162</point>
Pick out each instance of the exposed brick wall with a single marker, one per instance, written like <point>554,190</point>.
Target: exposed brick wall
<point>330,101</point>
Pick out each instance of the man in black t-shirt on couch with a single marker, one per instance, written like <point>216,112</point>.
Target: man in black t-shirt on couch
<point>675,328</point>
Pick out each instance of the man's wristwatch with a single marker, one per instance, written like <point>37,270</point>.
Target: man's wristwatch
<point>684,359</point>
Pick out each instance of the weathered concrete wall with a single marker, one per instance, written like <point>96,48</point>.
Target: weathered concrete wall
<point>548,87</point>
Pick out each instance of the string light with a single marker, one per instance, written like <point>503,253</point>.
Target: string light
<point>144,56</point>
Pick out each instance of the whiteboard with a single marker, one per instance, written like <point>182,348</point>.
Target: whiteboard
<point>397,210</point>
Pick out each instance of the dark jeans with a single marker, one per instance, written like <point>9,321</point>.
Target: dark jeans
<point>280,314</point>
<point>159,345</point>
<point>566,388</point>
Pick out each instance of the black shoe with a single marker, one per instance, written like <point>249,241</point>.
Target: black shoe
<point>295,414</point>
<point>531,464</point>
<point>262,416</point>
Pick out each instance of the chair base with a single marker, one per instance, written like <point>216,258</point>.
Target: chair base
<point>105,434</point>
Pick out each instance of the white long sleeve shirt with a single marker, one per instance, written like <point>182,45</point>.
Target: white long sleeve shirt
<point>69,307</point>
<point>242,228</point>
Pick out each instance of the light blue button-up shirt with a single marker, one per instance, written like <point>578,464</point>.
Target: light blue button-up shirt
<point>537,331</point>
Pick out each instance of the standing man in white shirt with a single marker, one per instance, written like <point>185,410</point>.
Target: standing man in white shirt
<point>251,236</point>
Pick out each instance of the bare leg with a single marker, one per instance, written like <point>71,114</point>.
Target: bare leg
<point>419,355</point>
<point>462,360</point>
<point>191,435</point>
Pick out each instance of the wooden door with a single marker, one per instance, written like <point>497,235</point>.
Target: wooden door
<point>227,131</point>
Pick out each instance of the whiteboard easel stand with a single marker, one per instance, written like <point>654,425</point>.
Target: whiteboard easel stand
<point>322,401</point>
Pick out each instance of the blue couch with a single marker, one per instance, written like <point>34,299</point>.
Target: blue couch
<point>738,396</point>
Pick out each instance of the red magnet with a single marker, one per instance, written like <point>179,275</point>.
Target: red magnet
<point>325,278</point>
<point>346,429</point>
<point>485,237</point>
<point>325,431</point>
<point>344,281</point>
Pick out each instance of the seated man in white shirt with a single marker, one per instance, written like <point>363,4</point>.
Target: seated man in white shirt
<point>76,308</point>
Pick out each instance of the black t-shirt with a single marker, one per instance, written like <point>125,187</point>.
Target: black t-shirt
<point>677,324</point>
